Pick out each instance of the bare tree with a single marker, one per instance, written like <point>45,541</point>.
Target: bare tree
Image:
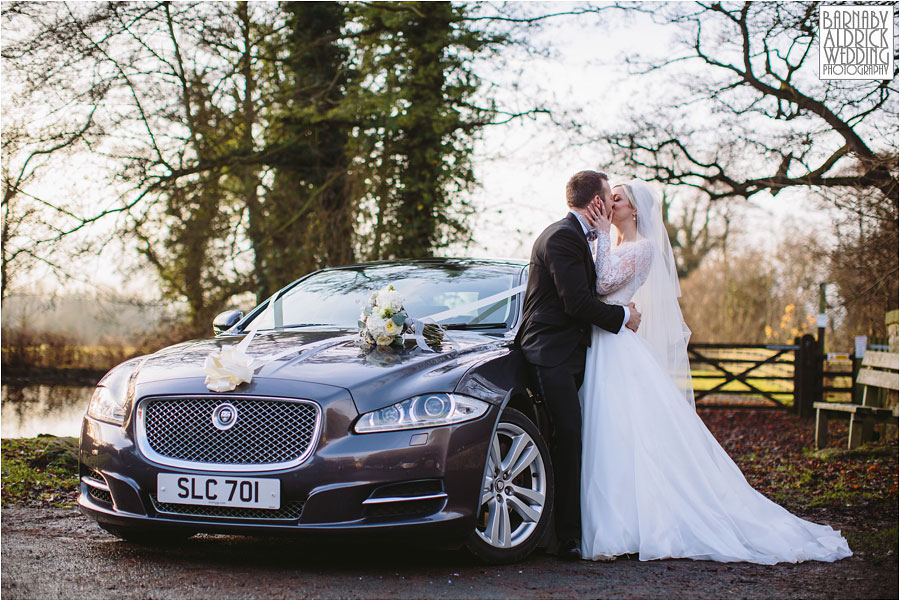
<point>27,156</point>
<point>864,263</point>
<point>743,112</point>
<point>747,73</point>
<point>755,296</point>
<point>697,228</point>
<point>178,94</point>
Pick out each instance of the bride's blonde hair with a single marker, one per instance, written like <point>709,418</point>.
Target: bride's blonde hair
<point>629,194</point>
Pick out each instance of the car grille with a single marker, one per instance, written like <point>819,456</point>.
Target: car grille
<point>100,495</point>
<point>409,489</point>
<point>289,513</point>
<point>267,431</point>
<point>403,499</point>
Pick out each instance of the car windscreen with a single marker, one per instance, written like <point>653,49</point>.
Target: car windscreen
<point>336,297</point>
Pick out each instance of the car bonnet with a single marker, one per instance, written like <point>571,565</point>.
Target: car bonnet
<point>375,377</point>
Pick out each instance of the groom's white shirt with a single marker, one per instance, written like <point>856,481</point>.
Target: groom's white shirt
<point>585,228</point>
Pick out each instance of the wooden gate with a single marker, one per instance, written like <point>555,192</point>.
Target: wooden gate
<point>764,373</point>
<point>791,376</point>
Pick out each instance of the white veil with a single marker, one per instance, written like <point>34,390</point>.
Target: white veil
<point>662,324</point>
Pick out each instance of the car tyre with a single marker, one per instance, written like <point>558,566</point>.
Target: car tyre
<point>146,536</point>
<point>516,500</point>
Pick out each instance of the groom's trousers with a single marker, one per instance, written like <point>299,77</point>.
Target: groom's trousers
<point>559,388</point>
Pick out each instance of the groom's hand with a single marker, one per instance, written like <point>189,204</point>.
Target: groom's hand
<point>635,318</point>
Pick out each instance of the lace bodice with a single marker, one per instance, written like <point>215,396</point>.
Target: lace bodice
<point>621,270</point>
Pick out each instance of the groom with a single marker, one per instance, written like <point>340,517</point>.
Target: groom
<point>560,308</point>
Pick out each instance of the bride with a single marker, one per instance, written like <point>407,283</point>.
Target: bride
<point>654,480</point>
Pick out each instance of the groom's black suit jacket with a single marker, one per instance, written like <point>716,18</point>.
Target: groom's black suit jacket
<point>560,302</point>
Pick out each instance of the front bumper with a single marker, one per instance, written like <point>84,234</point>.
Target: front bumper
<point>397,482</point>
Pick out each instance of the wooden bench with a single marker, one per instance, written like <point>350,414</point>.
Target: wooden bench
<point>878,371</point>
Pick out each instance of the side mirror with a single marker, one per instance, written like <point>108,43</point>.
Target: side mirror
<point>225,321</point>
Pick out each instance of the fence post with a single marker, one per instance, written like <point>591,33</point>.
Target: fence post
<point>807,375</point>
<point>820,350</point>
<point>822,319</point>
<point>856,392</point>
<point>798,374</point>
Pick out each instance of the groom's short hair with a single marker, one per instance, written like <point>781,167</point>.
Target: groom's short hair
<point>583,187</point>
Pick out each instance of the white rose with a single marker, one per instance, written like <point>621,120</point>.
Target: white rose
<point>376,325</point>
<point>384,340</point>
<point>392,328</point>
<point>390,299</point>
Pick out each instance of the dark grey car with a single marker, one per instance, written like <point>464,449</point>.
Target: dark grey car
<point>446,443</point>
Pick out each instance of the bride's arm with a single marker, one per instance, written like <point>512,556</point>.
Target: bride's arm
<point>634,262</point>
<point>601,258</point>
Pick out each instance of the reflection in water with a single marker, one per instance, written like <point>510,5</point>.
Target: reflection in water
<point>43,409</point>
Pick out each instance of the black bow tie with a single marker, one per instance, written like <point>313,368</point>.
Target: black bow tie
<point>591,235</point>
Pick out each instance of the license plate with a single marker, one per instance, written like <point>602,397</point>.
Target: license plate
<point>219,491</point>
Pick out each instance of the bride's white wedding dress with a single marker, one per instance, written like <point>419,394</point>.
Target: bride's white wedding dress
<point>654,480</point>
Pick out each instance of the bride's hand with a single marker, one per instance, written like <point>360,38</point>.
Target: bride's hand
<point>595,214</point>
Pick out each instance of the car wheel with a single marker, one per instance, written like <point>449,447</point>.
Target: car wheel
<point>147,536</point>
<point>516,495</point>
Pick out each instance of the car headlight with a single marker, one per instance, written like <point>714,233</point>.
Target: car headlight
<point>425,411</point>
<point>111,396</point>
<point>107,406</point>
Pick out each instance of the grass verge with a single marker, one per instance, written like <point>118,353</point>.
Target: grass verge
<point>39,472</point>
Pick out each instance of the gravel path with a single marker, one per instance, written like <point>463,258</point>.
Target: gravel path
<point>58,554</point>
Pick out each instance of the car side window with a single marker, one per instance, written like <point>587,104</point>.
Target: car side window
<point>264,320</point>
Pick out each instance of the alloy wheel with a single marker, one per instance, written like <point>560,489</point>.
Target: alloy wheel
<point>514,489</point>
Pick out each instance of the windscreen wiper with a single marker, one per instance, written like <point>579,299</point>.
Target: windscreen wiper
<point>475,326</point>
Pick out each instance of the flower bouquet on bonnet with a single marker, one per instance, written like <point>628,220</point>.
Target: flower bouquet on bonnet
<point>384,322</point>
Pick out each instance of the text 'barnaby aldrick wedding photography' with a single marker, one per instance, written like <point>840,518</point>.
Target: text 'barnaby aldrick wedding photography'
<point>856,42</point>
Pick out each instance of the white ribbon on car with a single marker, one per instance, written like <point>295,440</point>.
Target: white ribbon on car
<point>231,366</point>
<point>419,324</point>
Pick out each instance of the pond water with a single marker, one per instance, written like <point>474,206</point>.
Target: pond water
<point>30,410</point>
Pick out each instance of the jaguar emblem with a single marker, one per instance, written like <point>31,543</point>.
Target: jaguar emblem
<point>224,416</point>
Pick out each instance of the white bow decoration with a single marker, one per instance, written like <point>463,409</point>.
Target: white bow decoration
<point>229,366</point>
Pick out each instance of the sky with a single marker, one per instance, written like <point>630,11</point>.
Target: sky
<point>522,167</point>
